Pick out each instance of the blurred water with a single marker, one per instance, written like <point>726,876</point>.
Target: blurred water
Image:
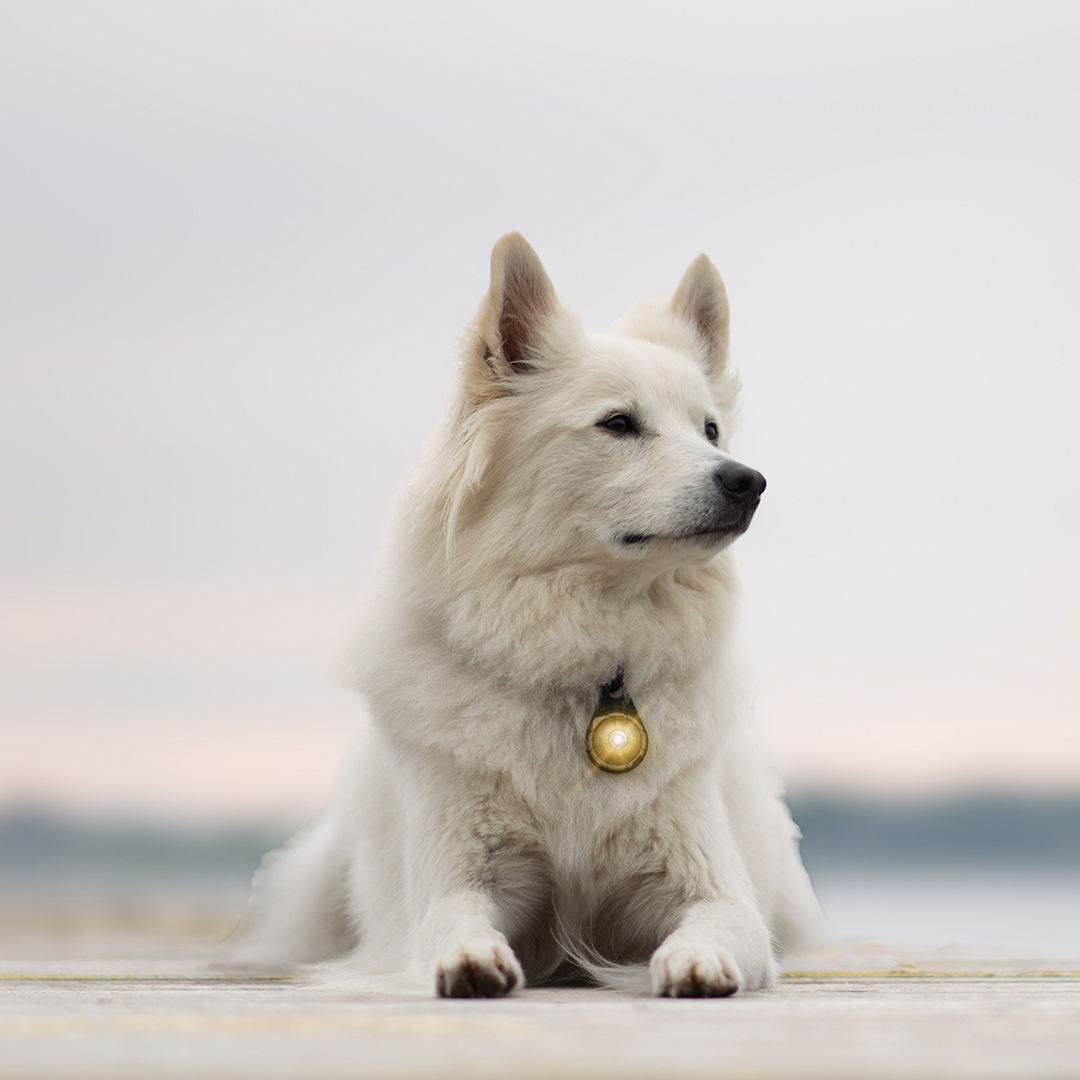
<point>991,872</point>
<point>986,869</point>
<point>1001,907</point>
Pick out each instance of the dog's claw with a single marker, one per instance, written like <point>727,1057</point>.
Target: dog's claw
<point>478,972</point>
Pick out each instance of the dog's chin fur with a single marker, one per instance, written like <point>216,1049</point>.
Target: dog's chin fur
<point>470,847</point>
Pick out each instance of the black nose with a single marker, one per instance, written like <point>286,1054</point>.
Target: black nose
<point>739,481</point>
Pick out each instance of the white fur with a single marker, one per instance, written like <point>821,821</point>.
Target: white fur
<point>469,844</point>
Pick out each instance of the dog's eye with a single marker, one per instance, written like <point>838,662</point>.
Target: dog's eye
<point>712,432</point>
<point>619,423</point>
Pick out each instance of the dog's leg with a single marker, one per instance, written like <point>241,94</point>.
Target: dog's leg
<point>720,943</point>
<point>473,880</point>
<point>474,959</point>
<point>719,948</point>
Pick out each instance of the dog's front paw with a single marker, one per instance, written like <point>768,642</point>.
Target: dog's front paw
<point>478,969</point>
<point>679,969</point>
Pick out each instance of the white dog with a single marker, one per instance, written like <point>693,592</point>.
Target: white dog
<point>560,575</point>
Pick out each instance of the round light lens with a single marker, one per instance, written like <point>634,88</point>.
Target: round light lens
<point>616,741</point>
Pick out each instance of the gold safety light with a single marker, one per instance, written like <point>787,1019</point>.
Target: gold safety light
<point>616,740</point>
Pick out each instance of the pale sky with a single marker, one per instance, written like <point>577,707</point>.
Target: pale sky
<point>239,241</point>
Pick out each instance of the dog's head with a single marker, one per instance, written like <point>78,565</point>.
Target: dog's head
<point>572,448</point>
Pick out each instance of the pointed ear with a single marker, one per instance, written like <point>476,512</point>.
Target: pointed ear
<point>701,300</point>
<point>519,302</point>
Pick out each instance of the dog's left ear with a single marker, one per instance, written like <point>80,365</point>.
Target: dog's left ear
<point>520,301</point>
<point>701,300</point>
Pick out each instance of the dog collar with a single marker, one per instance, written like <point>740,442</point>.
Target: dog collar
<point>616,740</point>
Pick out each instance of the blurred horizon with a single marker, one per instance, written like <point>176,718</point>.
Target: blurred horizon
<point>856,814</point>
<point>987,871</point>
<point>831,804</point>
<point>240,240</point>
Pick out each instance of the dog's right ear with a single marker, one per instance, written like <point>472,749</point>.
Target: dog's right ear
<point>519,303</point>
<point>701,300</point>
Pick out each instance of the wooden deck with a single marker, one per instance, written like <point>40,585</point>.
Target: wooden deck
<point>178,1016</point>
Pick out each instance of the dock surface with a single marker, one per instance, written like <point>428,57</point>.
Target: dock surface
<point>165,1017</point>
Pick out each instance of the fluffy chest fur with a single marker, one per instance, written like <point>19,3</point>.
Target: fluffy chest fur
<point>506,678</point>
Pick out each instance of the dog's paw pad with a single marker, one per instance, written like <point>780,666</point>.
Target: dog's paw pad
<point>478,971</point>
<point>683,971</point>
